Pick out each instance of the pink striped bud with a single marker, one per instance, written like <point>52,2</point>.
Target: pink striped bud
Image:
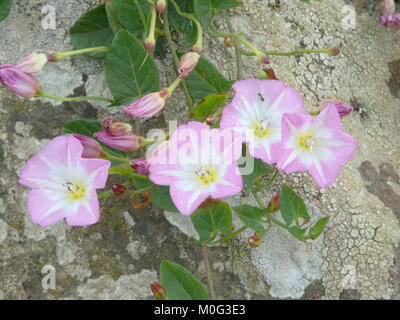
<point>32,63</point>
<point>91,148</point>
<point>116,128</point>
<point>158,291</point>
<point>20,82</point>
<point>148,105</point>
<point>160,6</point>
<point>187,64</point>
<point>141,166</point>
<point>342,108</point>
<point>127,142</point>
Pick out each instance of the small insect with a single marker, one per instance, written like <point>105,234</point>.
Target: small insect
<point>261,97</point>
<point>362,108</point>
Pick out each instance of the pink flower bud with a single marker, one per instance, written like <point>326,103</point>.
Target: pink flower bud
<point>32,63</point>
<point>158,291</point>
<point>148,105</point>
<point>254,241</point>
<point>91,148</point>
<point>342,108</point>
<point>127,142</point>
<point>274,204</point>
<point>118,189</point>
<point>187,64</point>
<point>388,17</point>
<point>335,51</point>
<point>115,129</point>
<point>160,6</point>
<point>140,165</point>
<point>210,120</point>
<point>229,41</point>
<point>264,59</point>
<point>20,82</point>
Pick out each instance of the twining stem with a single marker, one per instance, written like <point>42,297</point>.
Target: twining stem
<point>270,182</point>
<point>52,96</point>
<point>175,58</point>
<point>141,15</point>
<point>119,159</point>
<point>229,236</point>
<point>289,53</point>
<point>237,46</point>
<point>204,253</point>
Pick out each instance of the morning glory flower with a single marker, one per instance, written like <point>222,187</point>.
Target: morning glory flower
<point>318,146</point>
<point>64,184</point>
<point>258,105</point>
<point>198,162</point>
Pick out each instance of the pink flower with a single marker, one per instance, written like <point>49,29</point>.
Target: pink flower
<point>128,142</point>
<point>64,184</point>
<point>91,148</point>
<point>18,81</point>
<point>32,63</point>
<point>140,165</point>
<point>318,146</point>
<point>342,108</point>
<point>148,105</point>
<point>258,105</point>
<point>388,17</point>
<point>198,162</point>
<point>115,128</point>
<point>187,64</point>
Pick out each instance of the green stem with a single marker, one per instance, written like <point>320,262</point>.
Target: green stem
<point>111,157</point>
<point>237,46</point>
<point>229,236</point>
<point>52,96</point>
<point>141,15</point>
<point>175,58</point>
<point>271,181</point>
<point>289,53</point>
<point>204,253</point>
<point>58,56</point>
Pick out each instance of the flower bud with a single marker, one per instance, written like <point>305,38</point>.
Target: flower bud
<point>210,120</point>
<point>32,63</point>
<point>160,6</point>
<point>274,203</point>
<point>149,43</point>
<point>91,148</point>
<point>127,142</point>
<point>229,41</point>
<point>342,108</point>
<point>148,105</point>
<point>335,51</point>
<point>264,59</point>
<point>141,166</point>
<point>118,189</point>
<point>54,57</point>
<point>115,129</point>
<point>158,291</point>
<point>254,241</point>
<point>187,64</point>
<point>21,83</point>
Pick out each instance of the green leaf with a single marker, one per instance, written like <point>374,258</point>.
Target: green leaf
<point>180,23</point>
<point>202,10</point>
<point>209,105</point>
<point>128,14</point>
<point>316,230</point>
<point>162,199</point>
<point>92,30</point>
<point>113,21</point>
<point>5,7</point>
<point>298,231</point>
<point>292,206</point>
<point>206,80</point>
<point>224,4</point>
<point>126,80</point>
<point>88,128</point>
<point>180,284</point>
<point>250,216</point>
<point>217,218</point>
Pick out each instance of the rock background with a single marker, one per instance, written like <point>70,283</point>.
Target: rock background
<point>358,257</point>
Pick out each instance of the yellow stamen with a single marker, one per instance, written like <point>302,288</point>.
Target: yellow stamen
<point>306,141</point>
<point>206,176</point>
<point>75,191</point>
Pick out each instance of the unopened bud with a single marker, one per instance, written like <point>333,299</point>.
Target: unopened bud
<point>140,165</point>
<point>160,6</point>
<point>23,84</point>
<point>335,51</point>
<point>254,241</point>
<point>210,120</point>
<point>118,189</point>
<point>54,57</point>
<point>32,63</point>
<point>158,291</point>
<point>148,105</point>
<point>274,204</point>
<point>128,142</point>
<point>91,148</point>
<point>342,108</point>
<point>149,44</point>
<point>116,128</point>
<point>229,41</point>
<point>187,64</point>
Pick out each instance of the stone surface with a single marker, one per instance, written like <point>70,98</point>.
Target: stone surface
<point>356,258</point>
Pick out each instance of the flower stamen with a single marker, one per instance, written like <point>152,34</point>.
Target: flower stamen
<point>75,190</point>
<point>306,141</point>
<point>206,176</point>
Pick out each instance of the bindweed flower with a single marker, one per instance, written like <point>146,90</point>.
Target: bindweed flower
<point>148,105</point>
<point>275,203</point>
<point>258,105</point>
<point>388,17</point>
<point>64,184</point>
<point>141,166</point>
<point>32,63</point>
<point>118,189</point>
<point>128,142</point>
<point>342,108</point>
<point>318,146</point>
<point>187,64</point>
<point>20,82</point>
<point>115,128</point>
<point>197,163</point>
<point>91,148</point>
<point>158,291</point>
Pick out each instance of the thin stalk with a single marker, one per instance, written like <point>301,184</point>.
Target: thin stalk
<point>289,53</point>
<point>229,236</point>
<point>270,182</point>
<point>75,99</point>
<point>204,253</point>
<point>119,159</point>
<point>237,46</point>
<point>58,56</point>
